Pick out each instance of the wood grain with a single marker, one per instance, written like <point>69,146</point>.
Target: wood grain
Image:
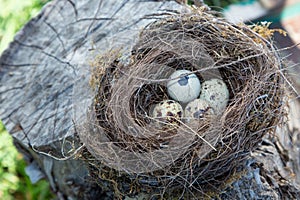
<point>43,73</point>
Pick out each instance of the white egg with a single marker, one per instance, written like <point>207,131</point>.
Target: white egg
<point>198,109</point>
<point>183,88</point>
<point>167,112</point>
<point>215,92</point>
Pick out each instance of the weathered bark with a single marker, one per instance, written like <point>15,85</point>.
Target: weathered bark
<point>38,78</point>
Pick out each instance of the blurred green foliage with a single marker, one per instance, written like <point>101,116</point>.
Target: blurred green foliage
<point>14,183</point>
<point>13,15</point>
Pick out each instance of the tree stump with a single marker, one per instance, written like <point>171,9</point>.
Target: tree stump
<point>39,73</point>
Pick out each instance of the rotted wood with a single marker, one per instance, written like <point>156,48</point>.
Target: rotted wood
<point>39,73</point>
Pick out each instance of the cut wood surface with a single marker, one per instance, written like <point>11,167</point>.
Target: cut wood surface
<point>42,74</point>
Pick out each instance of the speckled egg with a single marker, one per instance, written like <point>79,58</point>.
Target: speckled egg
<point>197,109</point>
<point>215,92</point>
<point>167,112</point>
<point>183,88</point>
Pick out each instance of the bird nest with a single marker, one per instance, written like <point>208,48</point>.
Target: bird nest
<point>129,142</point>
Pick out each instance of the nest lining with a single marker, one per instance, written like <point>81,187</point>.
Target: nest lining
<point>121,133</point>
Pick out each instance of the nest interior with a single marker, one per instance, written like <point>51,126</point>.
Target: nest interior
<point>122,135</point>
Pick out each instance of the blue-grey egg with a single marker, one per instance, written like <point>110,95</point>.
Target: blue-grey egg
<point>184,86</point>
